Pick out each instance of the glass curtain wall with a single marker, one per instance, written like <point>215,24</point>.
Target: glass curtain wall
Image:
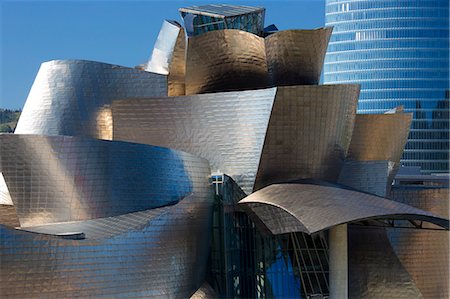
<point>399,52</point>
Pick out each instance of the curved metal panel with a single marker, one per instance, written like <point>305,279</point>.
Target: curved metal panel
<point>309,133</point>
<point>373,268</point>
<point>152,254</point>
<point>62,178</point>
<point>295,57</point>
<point>168,56</point>
<point>367,176</point>
<point>225,60</point>
<point>67,96</point>
<point>286,208</point>
<point>205,292</point>
<point>227,129</point>
<point>379,137</point>
<point>424,253</point>
<point>5,197</point>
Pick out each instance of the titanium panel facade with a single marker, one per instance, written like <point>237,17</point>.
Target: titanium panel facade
<point>157,253</point>
<point>225,60</point>
<point>308,208</point>
<point>168,57</point>
<point>309,133</point>
<point>379,137</point>
<point>424,253</point>
<point>374,269</point>
<point>227,129</point>
<point>367,176</point>
<point>295,57</point>
<point>62,178</point>
<point>69,97</point>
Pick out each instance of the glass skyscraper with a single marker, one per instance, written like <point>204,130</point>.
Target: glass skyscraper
<point>398,50</point>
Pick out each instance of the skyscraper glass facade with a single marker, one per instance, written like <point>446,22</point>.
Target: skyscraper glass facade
<point>399,52</point>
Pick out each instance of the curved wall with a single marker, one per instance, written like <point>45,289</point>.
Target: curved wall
<point>295,57</point>
<point>64,178</point>
<point>309,133</point>
<point>159,253</point>
<point>398,51</point>
<point>70,97</point>
<point>424,253</point>
<point>225,60</point>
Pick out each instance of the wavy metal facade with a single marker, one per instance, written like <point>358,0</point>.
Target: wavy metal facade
<point>295,57</point>
<point>374,137</point>
<point>168,57</point>
<point>309,132</point>
<point>64,178</point>
<point>227,129</point>
<point>225,60</point>
<point>150,254</point>
<point>311,208</point>
<point>71,97</point>
<point>424,253</point>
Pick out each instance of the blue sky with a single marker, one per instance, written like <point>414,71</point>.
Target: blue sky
<point>117,32</point>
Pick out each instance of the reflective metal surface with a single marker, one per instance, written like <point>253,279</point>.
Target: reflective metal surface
<point>379,137</point>
<point>424,253</point>
<point>5,197</point>
<point>158,253</point>
<point>67,96</point>
<point>225,60</point>
<point>374,269</point>
<point>368,176</point>
<point>295,57</point>
<point>205,292</point>
<point>309,133</point>
<point>227,129</point>
<point>62,178</point>
<point>168,57</point>
<point>285,208</point>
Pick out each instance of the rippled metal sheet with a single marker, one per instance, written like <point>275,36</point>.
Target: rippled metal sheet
<point>8,215</point>
<point>379,137</point>
<point>227,129</point>
<point>168,56</point>
<point>424,253</point>
<point>295,57</point>
<point>225,60</point>
<point>62,178</point>
<point>68,97</point>
<point>374,269</point>
<point>158,253</point>
<point>310,208</point>
<point>309,133</point>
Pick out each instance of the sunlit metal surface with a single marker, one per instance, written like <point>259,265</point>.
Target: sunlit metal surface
<point>159,253</point>
<point>295,57</point>
<point>374,269</point>
<point>225,60</point>
<point>62,178</point>
<point>168,56</point>
<point>5,197</point>
<point>379,137</point>
<point>205,292</point>
<point>424,253</point>
<point>8,215</point>
<point>309,133</point>
<point>311,208</point>
<point>227,129</point>
<point>67,96</point>
<point>305,137</point>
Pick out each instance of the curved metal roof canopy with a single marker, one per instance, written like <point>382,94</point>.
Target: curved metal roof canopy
<point>286,208</point>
